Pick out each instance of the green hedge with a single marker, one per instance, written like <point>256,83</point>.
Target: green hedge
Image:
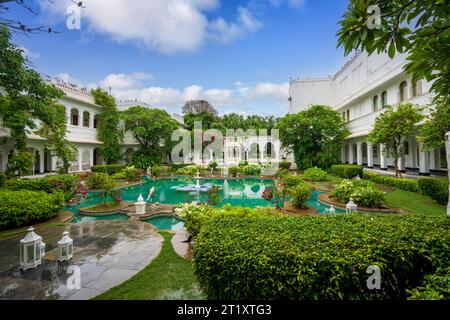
<point>318,258</point>
<point>400,183</point>
<point>66,183</point>
<point>108,168</point>
<point>435,188</point>
<point>19,208</point>
<point>315,174</point>
<point>285,165</point>
<point>347,171</point>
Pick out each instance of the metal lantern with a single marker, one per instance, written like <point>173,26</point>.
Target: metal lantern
<point>332,210</point>
<point>351,206</point>
<point>140,205</point>
<point>32,250</point>
<point>65,247</point>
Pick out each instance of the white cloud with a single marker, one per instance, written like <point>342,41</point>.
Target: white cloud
<point>28,54</point>
<point>125,81</point>
<point>166,26</point>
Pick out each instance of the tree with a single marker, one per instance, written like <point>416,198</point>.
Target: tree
<point>29,100</point>
<point>314,135</point>
<point>153,129</point>
<point>199,106</point>
<point>109,131</point>
<point>209,120</point>
<point>393,127</point>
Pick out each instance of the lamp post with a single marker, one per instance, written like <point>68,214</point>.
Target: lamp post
<point>351,206</point>
<point>32,250</point>
<point>65,247</point>
<point>332,210</point>
<point>140,205</point>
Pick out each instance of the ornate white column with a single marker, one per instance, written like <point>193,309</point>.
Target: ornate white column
<point>350,153</point>
<point>401,164</point>
<point>343,154</point>
<point>5,154</point>
<point>369,154</point>
<point>447,148</point>
<point>80,160</point>
<point>41,161</point>
<point>432,160</point>
<point>53,164</point>
<point>424,161</point>
<point>383,158</point>
<point>359,154</point>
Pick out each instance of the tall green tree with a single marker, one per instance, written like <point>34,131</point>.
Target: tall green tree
<point>153,129</point>
<point>393,127</point>
<point>109,130</point>
<point>27,102</point>
<point>314,135</point>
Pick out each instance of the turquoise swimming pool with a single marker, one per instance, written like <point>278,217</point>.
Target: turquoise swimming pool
<point>166,222</point>
<point>237,192</point>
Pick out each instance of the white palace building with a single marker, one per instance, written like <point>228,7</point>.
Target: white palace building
<point>360,91</point>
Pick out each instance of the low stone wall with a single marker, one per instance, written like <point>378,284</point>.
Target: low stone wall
<point>88,211</point>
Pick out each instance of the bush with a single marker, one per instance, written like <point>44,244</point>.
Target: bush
<point>243,163</point>
<point>130,173</point>
<point>110,169</point>
<point>362,192</point>
<point>400,183</point>
<point>315,174</point>
<point>347,171</point>
<point>299,195</point>
<point>18,208</point>
<point>434,287</point>
<point>292,180</point>
<point>318,258</point>
<point>99,181</point>
<point>285,165</point>
<point>233,171</point>
<point>156,170</point>
<point>189,170</point>
<point>213,165</point>
<point>2,179</point>
<point>174,167</point>
<point>252,170</point>
<point>436,188</point>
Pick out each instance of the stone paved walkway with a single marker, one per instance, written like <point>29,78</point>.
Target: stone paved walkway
<point>106,253</point>
<point>179,242</point>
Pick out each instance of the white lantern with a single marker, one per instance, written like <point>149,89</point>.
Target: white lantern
<point>65,247</point>
<point>332,210</point>
<point>351,206</point>
<point>32,250</point>
<point>140,205</point>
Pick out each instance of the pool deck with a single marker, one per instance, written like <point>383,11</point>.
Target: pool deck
<point>106,253</point>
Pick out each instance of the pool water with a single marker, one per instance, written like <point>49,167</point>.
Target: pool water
<point>77,218</point>
<point>166,223</point>
<point>237,192</point>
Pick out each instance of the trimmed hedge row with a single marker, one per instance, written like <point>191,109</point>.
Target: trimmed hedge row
<point>347,171</point>
<point>18,208</point>
<point>319,257</point>
<point>110,169</point>
<point>400,183</point>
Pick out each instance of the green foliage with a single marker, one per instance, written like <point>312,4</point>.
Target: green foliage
<point>99,181</point>
<point>393,127</point>
<point>175,166</point>
<point>188,170</point>
<point>318,258</point>
<point>434,287</point>
<point>435,188</point>
<point>130,173</point>
<point>400,183</point>
<point>315,174</point>
<point>432,133</point>
<point>109,131</point>
<point>291,180</point>
<point>243,163</point>
<point>252,170</point>
<point>156,170</point>
<point>300,194</point>
<point>235,170</point>
<point>347,171</point>
<point>27,101</point>
<point>362,192</point>
<point>108,168</point>
<point>285,165</point>
<point>213,165</point>
<point>18,208</point>
<point>2,179</point>
<point>315,135</point>
<point>214,196</point>
<point>153,129</point>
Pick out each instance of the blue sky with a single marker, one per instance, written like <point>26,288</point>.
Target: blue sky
<point>239,55</point>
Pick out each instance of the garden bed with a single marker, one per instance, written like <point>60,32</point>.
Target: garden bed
<point>292,210</point>
<point>330,200</point>
<point>99,210</point>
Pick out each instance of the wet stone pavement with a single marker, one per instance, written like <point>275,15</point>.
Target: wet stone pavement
<point>106,253</point>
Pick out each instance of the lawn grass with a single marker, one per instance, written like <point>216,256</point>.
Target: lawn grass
<point>412,202</point>
<point>168,277</point>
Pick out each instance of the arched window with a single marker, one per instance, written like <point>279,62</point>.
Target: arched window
<point>417,88</point>
<point>96,120</point>
<point>86,119</point>
<point>403,91</point>
<point>74,117</point>
<point>375,103</point>
<point>384,99</point>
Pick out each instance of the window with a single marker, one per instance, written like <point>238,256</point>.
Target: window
<point>96,119</point>
<point>384,99</point>
<point>86,118</point>
<point>348,115</point>
<point>403,91</point>
<point>375,151</point>
<point>343,115</point>
<point>375,104</point>
<point>406,148</point>
<point>417,88</point>
<point>74,117</point>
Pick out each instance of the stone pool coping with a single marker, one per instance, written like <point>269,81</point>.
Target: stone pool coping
<point>95,213</point>
<point>329,200</point>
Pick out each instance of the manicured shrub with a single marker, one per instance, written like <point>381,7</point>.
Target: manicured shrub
<point>243,163</point>
<point>252,170</point>
<point>98,181</point>
<point>315,174</point>
<point>318,258</point>
<point>189,170</point>
<point>347,171</point>
<point>436,188</point>
<point>285,165</point>
<point>300,194</point>
<point>156,170</point>
<point>400,183</point>
<point>434,287</point>
<point>23,207</point>
<point>130,173</point>
<point>110,169</point>
<point>213,165</point>
<point>292,180</point>
<point>362,192</point>
<point>233,171</point>
<point>174,167</point>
